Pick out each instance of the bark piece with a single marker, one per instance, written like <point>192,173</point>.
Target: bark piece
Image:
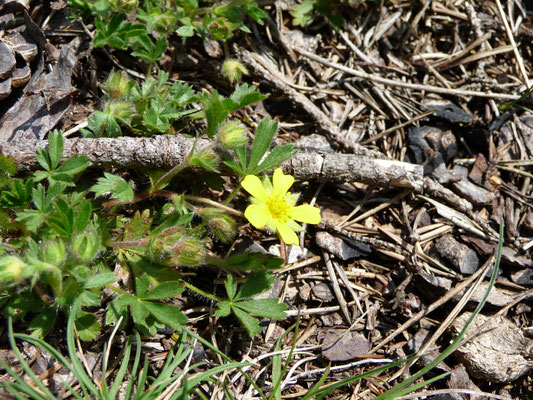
<point>463,258</point>
<point>5,88</point>
<point>344,346</point>
<point>497,352</point>
<point>496,297</point>
<point>469,190</point>
<point>44,103</point>
<point>344,249</point>
<point>7,61</point>
<point>447,110</point>
<point>509,256</point>
<point>313,143</point>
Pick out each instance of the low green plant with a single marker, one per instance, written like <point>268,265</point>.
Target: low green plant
<point>65,236</point>
<point>145,27</point>
<point>332,10</point>
<point>171,382</point>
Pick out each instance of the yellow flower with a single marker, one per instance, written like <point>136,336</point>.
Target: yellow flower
<point>273,206</point>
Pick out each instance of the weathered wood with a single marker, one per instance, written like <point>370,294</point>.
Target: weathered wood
<point>166,151</point>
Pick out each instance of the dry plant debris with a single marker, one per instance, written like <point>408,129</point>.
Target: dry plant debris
<point>426,110</point>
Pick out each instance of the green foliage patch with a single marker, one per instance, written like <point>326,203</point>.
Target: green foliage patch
<point>69,242</point>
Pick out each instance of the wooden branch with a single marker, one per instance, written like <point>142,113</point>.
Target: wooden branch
<point>165,152</point>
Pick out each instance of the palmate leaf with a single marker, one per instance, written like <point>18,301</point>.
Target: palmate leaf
<point>114,185</point>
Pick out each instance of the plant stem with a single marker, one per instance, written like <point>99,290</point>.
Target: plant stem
<point>233,194</point>
<point>201,292</point>
<point>214,204</point>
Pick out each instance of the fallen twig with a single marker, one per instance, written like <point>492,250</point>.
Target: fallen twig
<point>165,152</point>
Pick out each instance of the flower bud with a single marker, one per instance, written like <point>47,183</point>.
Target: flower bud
<point>220,224</point>
<point>233,69</point>
<point>54,252</point>
<point>189,252</point>
<point>120,109</point>
<point>232,135</point>
<point>86,246</point>
<point>117,85</point>
<point>206,158</point>
<point>11,270</point>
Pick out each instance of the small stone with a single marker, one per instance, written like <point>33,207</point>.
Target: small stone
<point>463,258</point>
<point>498,351</point>
<point>459,379</point>
<point>523,277</point>
<point>344,346</point>
<point>322,292</point>
<point>445,109</point>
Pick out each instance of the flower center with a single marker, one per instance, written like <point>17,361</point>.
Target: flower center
<point>278,207</point>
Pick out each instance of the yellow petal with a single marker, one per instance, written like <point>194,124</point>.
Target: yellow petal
<point>252,184</point>
<point>286,233</point>
<point>258,215</point>
<point>305,213</point>
<point>282,182</point>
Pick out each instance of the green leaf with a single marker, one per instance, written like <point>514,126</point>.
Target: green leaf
<point>55,148</point>
<point>185,31</point>
<point>87,326</point>
<point>256,283</point>
<point>43,159</point>
<point>249,261</point>
<point>74,165</point>
<point>99,280</point>
<point>264,135</point>
<point>266,308</point>
<point>114,185</point>
<point>235,167</point>
<point>138,226</point>
<point>19,194</point>
<point>275,158</point>
<point>167,314</point>
<point>141,284</point>
<point>244,96</point>
<point>43,323</point>
<point>139,311</point>
<point>215,112</point>
<point>224,309</point>
<point>241,155</point>
<point>116,309</point>
<point>302,12</point>
<point>165,290</point>
<point>250,323</point>
<point>90,299</point>
<point>32,219</point>
<point>8,168</point>
<point>231,287</point>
